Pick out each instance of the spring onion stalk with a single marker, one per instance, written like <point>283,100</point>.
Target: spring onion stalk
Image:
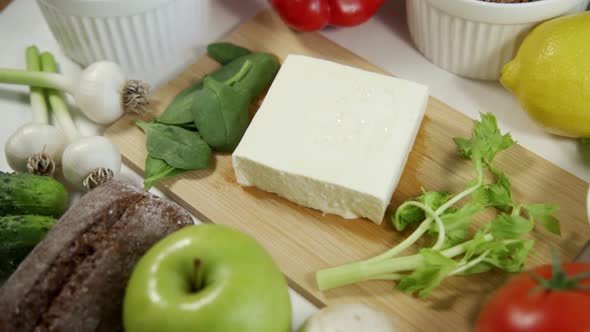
<point>35,147</point>
<point>87,162</point>
<point>57,101</point>
<point>102,91</point>
<point>37,99</point>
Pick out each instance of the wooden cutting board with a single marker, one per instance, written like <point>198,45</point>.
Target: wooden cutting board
<point>303,240</point>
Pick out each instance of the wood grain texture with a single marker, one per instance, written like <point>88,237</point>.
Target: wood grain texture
<point>303,240</point>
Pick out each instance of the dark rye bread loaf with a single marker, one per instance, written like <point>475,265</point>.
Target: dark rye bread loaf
<point>75,279</point>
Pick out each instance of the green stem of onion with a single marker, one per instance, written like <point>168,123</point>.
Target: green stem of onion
<point>36,79</point>
<point>37,99</point>
<point>57,100</point>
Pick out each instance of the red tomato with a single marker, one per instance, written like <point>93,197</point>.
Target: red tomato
<point>311,15</point>
<point>347,13</point>
<point>522,305</point>
<point>303,15</point>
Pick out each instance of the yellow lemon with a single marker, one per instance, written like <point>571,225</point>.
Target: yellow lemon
<point>550,75</point>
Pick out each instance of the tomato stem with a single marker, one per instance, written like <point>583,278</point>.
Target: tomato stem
<point>559,279</point>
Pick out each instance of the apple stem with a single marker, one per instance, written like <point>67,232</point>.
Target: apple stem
<point>198,275</point>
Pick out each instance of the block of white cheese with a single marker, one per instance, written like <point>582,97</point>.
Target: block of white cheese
<point>331,137</point>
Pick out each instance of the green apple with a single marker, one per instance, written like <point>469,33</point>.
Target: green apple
<point>207,278</point>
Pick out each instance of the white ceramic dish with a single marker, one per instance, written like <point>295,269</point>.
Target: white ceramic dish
<point>137,34</point>
<point>473,38</point>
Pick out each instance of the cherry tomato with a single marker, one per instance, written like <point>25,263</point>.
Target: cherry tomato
<point>347,13</point>
<point>303,15</point>
<point>311,15</point>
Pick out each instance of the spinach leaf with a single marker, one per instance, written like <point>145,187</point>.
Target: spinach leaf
<point>188,126</point>
<point>264,68</point>
<point>180,148</point>
<point>179,111</point>
<point>225,53</point>
<point>221,114</point>
<point>156,170</point>
<point>176,113</point>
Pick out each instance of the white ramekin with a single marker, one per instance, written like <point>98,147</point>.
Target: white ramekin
<point>137,34</point>
<point>474,38</point>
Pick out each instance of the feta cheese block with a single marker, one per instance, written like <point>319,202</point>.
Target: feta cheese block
<point>331,137</point>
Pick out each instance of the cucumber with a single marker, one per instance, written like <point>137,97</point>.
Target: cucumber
<point>22,193</point>
<point>18,236</point>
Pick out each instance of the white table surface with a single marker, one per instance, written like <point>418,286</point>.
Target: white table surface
<point>384,41</point>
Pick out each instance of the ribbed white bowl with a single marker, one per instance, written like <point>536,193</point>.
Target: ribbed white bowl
<point>473,38</point>
<point>137,34</point>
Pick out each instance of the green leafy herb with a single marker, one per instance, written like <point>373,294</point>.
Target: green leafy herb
<point>180,148</point>
<point>221,113</point>
<point>461,218</point>
<point>188,126</point>
<point>225,53</point>
<point>456,223</point>
<point>411,214</point>
<point>500,244</point>
<point>434,269</point>
<point>499,194</point>
<point>156,170</point>
<point>543,213</point>
<point>264,69</point>
<point>485,142</point>
<point>510,226</point>
<point>508,255</point>
<point>211,113</point>
<point>179,111</point>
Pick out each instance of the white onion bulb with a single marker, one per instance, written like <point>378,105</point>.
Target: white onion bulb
<point>102,90</point>
<point>104,94</point>
<point>348,317</point>
<point>90,161</point>
<point>26,148</point>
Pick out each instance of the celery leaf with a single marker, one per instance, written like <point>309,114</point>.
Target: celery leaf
<point>510,226</point>
<point>508,255</point>
<point>457,222</point>
<point>498,194</point>
<point>486,140</point>
<point>436,267</point>
<point>543,213</point>
<point>411,214</point>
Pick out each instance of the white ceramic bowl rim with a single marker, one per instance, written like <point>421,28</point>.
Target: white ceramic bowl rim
<point>104,8</point>
<point>506,13</point>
